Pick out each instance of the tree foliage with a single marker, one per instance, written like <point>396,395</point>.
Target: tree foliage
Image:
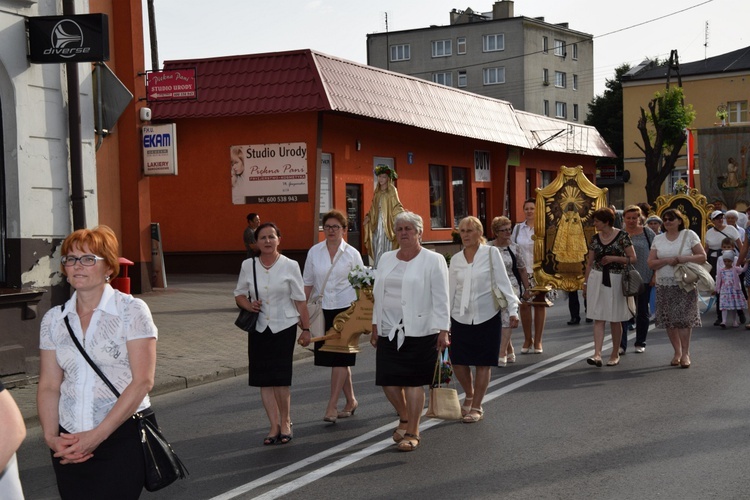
<point>605,114</point>
<point>663,133</point>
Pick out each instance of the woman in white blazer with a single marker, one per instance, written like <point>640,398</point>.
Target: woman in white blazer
<point>281,304</point>
<point>475,321</point>
<point>410,322</point>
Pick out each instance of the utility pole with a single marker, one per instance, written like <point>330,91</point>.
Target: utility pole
<point>152,36</point>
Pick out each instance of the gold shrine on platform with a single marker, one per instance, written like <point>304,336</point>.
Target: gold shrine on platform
<point>349,325</point>
<point>562,231</point>
<point>694,207</point>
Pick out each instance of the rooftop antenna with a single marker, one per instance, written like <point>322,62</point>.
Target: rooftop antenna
<point>705,42</point>
<point>387,44</point>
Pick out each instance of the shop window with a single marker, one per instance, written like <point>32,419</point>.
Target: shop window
<point>438,197</point>
<point>460,183</point>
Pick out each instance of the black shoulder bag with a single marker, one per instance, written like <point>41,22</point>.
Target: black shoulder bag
<point>247,319</point>
<point>163,466</point>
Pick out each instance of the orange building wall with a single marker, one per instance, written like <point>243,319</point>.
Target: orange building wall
<point>195,207</point>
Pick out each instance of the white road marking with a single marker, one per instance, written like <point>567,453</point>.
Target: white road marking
<point>356,456</point>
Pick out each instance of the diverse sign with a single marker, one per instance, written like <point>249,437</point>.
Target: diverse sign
<point>269,173</point>
<point>171,85</point>
<point>64,39</point>
<point>160,149</point>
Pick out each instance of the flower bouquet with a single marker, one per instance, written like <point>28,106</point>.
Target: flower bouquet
<point>361,277</point>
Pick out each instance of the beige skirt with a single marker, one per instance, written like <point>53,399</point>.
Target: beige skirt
<point>607,303</point>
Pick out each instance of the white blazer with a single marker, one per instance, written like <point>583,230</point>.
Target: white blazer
<point>424,293</point>
<point>471,287</point>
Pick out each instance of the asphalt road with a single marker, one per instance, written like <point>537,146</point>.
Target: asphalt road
<point>554,427</point>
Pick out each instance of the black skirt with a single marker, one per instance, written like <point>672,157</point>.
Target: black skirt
<point>115,471</point>
<point>270,357</point>
<point>325,358</point>
<point>411,366</point>
<point>476,345</point>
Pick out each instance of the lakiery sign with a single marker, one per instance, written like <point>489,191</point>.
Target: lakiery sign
<point>63,39</point>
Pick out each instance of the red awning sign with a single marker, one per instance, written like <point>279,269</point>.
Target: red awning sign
<point>171,85</point>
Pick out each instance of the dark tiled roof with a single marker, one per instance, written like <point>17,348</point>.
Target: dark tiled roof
<point>304,80</point>
<point>285,82</point>
<point>737,60</point>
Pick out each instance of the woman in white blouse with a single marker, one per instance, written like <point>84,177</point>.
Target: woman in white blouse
<point>281,304</point>
<point>475,322</point>
<point>410,322</point>
<point>96,451</point>
<point>328,265</point>
<point>522,236</point>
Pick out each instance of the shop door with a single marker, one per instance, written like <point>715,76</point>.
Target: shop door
<point>482,211</point>
<point>354,215</point>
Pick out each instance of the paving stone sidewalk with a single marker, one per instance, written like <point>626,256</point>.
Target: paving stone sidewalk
<point>198,342</point>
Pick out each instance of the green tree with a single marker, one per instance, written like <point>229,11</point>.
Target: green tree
<point>663,134</point>
<point>605,114</point>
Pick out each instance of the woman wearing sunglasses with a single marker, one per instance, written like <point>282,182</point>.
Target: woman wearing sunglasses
<point>676,308</point>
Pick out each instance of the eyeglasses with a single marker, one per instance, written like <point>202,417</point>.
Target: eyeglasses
<point>85,260</point>
<point>331,228</point>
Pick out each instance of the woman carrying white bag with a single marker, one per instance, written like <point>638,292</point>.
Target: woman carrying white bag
<point>326,278</point>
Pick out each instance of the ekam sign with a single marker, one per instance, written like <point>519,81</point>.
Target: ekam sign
<point>171,85</point>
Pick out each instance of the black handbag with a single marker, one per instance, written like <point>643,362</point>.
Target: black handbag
<point>163,466</point>
<point>247,319</point>
<point>632,283</point>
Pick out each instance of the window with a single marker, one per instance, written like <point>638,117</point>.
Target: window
<point>438,201</point>
<point>461,45</point>
<point>560,79</point>
<point>441,48</point>
<point>575,112</point>
<point>546,107</point>
<point>400,52</point>
<point>462,78</point>
<point>482,166</point>
<point>545,44</point>
<point>460,181</point>
<point>493,76</point>
<point>560,48</point>
<point>545,76</point>
<point>326,186</point>
<point>561,109</point>
<point>737,111</point>
<point>575,82</point>
<point>575,51</point>
<point>547,177</point>
<point>491,43</point>
<point>443,78</point>
<point>674,176</point>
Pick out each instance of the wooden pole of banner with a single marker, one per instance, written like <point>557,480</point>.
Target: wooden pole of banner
<point>77,196</point>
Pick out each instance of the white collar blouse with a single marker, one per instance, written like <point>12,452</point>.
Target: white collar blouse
<point>85,400</point>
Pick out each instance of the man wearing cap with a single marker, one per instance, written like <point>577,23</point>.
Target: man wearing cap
<point>712,244</point>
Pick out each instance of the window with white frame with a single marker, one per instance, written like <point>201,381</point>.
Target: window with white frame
<point>560,79</point>
<point>575,82</point>
<point>491,43</point>
<point>462,80</point>
<point>400,52</point>
<point>493,76</point>
<point>561,109</point>
<point>546,107</point>
<point>575,112</point>
<point>545,44</point>
<point>461,45</point>
<point>438,197</point>
<point>674,176</point>
<point>443,78</point>
<point>545,76</point>
<point>442,48</point>
<point>560,48</point>
<point>575,51</point>
<point>737,111</point>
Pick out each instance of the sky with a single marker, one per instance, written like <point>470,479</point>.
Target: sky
<point>624,31</point>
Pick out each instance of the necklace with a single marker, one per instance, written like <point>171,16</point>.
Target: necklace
<point>272,263</point>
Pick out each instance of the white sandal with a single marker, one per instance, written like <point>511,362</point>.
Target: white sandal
<point>472,418</point>
<point>466,408</point>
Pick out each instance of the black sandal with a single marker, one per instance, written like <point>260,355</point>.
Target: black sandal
<point>271,440</point>
<point>285,438</point>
